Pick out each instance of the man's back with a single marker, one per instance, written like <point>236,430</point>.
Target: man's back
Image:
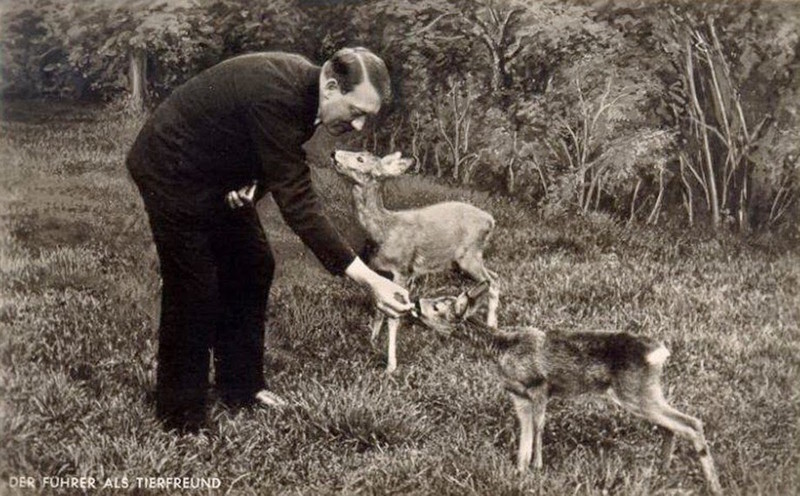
<point>210,134</point>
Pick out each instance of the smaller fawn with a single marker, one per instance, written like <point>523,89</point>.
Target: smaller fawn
<point>416,241</point>
<point>535,365</point>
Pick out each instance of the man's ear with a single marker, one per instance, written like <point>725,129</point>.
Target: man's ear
<point>330,85</point>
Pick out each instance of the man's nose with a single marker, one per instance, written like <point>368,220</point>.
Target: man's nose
<point>358,123</point>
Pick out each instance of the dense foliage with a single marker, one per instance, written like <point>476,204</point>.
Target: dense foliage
<point>677,110</point>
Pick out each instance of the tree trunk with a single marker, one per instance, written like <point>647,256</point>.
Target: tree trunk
<point>498,72</point>
<point>744,210</point>
<point>510,177</point>
<point>688,197</point>
<point>632,215</point>
<point>700,116</point>
<point>437,161</point>
<point>138,78</point>
<point>653,217</point>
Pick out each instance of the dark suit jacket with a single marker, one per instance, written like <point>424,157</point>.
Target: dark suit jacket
<point>244,119</point>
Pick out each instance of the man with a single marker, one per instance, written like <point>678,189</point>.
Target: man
<point>242,122</point>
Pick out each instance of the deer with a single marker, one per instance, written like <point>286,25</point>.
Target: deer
<point>414,242</point>
<point>535,365</point>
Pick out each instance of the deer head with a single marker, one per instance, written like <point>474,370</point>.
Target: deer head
<point>363,167</point>
<point>443,312</point>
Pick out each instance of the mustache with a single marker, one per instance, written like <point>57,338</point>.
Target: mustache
<point>340,127</point>
<point>345,127</point>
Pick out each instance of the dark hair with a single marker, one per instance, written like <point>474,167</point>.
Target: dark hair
<point>345,67</point>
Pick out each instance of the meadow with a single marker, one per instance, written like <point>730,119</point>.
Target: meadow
<point>79,305</point>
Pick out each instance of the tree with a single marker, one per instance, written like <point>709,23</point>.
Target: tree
<point>719,127</point>
<point>583,104</point>
<point>501,27</point>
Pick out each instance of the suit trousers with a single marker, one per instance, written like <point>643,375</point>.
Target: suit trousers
<point>215,289</point>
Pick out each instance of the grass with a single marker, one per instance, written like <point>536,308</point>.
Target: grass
<point>79,306</point>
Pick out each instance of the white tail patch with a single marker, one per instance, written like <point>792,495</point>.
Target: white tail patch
<point>657,356</point>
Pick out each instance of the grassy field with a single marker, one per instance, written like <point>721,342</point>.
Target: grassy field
<point>79,304</point>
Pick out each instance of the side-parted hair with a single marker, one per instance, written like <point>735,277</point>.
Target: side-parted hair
<point>345,66</point>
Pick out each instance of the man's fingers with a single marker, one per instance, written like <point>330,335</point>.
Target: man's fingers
<point>389,312</point>
<point>401,298</point>
<point>233,200</point>
<point>394,308</point>
<point>390,298</point>
<point>249,193</point>
<point>400,301</point>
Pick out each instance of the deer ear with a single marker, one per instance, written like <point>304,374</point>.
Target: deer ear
<point>462,305</point>
<point>476,291</point>
<point>391,157</point>
<point>392,165</point>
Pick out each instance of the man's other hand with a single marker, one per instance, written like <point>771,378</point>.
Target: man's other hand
<point>241,197</point>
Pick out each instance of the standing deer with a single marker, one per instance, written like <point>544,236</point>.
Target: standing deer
<point>414,242</point>
<point>535,365</point>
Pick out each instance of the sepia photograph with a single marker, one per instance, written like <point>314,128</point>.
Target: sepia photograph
<point>406,247</point>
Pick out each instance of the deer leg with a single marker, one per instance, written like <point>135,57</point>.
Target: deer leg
<point>412,284</point>
<point>473,265</point>
<point>376,324</point>
<point>653,407</point>
<point>391,361</point>
<point>494,302</point>
<point>523,406</point>
<point>539,398</point>
<point>694,430</point>
<point>667,448</point>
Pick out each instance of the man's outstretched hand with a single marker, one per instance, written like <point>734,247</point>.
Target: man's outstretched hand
<point>390,298</point>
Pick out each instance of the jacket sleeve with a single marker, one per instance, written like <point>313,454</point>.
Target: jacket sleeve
<point>287,176</point>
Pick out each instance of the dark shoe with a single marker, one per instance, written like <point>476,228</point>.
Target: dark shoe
<point>183,428</point>
<point>183,423</point>
<point>237,400</point>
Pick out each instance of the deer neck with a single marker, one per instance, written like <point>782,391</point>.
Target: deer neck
<point>372,215</point>
<point>490,341</point>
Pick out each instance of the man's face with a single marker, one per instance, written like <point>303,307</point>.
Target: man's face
<point>343,112</point>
